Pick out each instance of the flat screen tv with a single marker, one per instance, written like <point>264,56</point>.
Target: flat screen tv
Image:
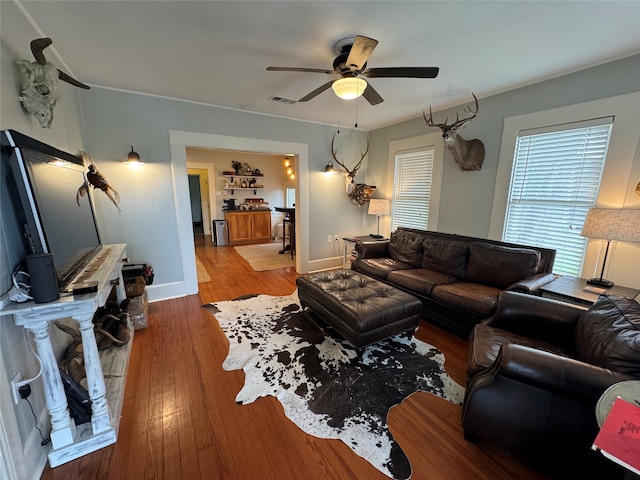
<point>43,183</point>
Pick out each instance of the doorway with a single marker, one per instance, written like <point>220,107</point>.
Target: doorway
<point>179,141</point>
<point>199,200</point>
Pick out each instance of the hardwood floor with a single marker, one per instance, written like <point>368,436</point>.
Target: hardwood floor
<point>180,420</point>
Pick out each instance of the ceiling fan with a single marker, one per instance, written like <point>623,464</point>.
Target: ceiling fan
<point>350,63</point>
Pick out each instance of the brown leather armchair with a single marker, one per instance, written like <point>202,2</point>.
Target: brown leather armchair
<point>536,369</point>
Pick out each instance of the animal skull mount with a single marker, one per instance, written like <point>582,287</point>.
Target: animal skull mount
<point>39,83</point>
<point>469,154</point>
<point>359,193</point>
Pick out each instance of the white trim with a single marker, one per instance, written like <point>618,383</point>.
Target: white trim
<point>180,140</point>
<point>426,140</point>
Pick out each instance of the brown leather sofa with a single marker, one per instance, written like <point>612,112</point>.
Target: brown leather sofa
<point>536,369</point>
<point>457,278</point>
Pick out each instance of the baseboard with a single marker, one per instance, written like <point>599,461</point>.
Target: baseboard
<point>166,291</point>
<point>325,264</point>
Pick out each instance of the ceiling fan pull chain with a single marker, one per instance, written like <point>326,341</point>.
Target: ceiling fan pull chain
<point>357,103</point>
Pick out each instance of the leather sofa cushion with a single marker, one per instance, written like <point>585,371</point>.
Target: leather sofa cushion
<point>406,247</point>
<point>420,279</point>
<point>445,256</point>
<point>608,334</point>
<point>381,267</point>
<point>500,266</point>
<point>474,298</point>
<point>485,341</point>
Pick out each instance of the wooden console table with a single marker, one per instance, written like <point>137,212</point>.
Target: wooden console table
<point>67,441</point>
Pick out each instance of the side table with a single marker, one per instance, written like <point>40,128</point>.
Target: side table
<point>358,239</point>
<point>571,290</point>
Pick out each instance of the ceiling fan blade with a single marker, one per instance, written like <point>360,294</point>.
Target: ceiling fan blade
<point>359,54</point>
<point>297,69</point>
<point>405,72</point>
<point>317,91</point>
<point>372,96</point>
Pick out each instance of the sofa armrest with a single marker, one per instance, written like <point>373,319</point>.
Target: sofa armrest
<point>373,249</point>
<point>533,283</point>
<point>554,373</point>
<point>536,317</point>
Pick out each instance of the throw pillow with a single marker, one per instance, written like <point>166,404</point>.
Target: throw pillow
<point>500,266</point>
<point>405,247</point>
<point>444,256</point>
<point>608,334</point>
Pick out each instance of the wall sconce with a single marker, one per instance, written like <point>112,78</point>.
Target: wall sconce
<point>329,170</point>
<point>611,224</point>
<point>133,158</point>
<point>349,88</point>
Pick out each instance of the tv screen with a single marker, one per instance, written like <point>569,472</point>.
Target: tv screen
<point>52,220</point>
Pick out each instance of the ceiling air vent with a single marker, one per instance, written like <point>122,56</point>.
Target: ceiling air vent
<point>277,98</point>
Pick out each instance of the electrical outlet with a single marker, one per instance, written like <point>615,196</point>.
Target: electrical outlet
<point>15,385</point>
<point>329,239</point>
<point>335,237</point>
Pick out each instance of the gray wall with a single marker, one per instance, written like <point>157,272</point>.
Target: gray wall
<point>465,206</point>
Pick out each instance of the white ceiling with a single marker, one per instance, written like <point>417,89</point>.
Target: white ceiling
<point>216,52</point>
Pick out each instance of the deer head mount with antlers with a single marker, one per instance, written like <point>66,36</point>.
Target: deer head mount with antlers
<point>469,154</point>
<point>359,193</point>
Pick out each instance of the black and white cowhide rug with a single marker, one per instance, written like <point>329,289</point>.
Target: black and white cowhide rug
<point>324,386</point>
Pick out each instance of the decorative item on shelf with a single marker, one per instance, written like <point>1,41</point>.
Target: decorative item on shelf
<point>236,166</point>
<point>610,225</point>
<point>379,207</point>
<point>133,158</point>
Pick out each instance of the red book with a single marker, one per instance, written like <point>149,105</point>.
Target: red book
<point>619,436</point>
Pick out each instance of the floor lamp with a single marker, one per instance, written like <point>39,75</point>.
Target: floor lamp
<point>611,224</point>
<point>379,207</point>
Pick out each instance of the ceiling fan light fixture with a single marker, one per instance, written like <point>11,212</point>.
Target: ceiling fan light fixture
<point>349,88</point>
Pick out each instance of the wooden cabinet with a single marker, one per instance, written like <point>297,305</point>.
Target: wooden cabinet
<point>251,226</point>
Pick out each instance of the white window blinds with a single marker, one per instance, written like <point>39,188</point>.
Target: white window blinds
<point>413,177</point>
<point>555,180</point>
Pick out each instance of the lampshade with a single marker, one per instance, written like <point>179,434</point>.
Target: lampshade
<point>349,88</point>
<point>379,206</point>
<point>621,224</point>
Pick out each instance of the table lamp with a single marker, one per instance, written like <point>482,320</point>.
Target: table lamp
<point>379,207</point>
<point>611,224</point>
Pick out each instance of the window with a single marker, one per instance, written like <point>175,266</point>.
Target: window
<point>554,181</point>
<point>412,184</point>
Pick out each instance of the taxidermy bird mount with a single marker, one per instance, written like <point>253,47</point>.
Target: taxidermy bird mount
<point>96,180</point>
<point>39,83</point>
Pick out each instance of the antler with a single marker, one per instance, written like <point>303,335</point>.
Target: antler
<point>349,173</point>
<point>37,47</point>
<point>458,122</point>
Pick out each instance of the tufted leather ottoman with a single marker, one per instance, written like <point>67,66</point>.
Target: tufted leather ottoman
<point>361,309</point>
